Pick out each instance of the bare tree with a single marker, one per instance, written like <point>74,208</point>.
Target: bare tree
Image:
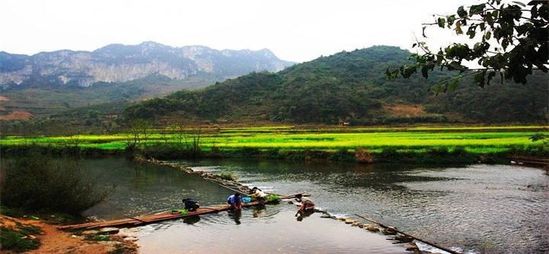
<point>139,130</point>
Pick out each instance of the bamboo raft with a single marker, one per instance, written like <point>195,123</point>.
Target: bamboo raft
<point>159,217</point>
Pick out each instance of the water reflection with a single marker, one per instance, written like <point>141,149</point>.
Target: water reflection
<point>480,208</point>
<point>483,208</point>
<point>235,215</point>
<point>303,214</point>
<point>277,232</point>
<point>191,220</point>
<point>142,188</point>
<point>259,211</point>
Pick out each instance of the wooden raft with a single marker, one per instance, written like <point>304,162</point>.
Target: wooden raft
<point>154,218</point>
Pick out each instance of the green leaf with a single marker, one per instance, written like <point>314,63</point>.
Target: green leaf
<point>471,32</point>
<point>441,22</point>
<point>461,12</point>
<point>407,70</point>
<point>451,19</point>
<point>425,71</point>
<point>476,9</point>
<point>479,78</point>
<point>489,20</point>
<point>487,35</point>
<point>504,43</point>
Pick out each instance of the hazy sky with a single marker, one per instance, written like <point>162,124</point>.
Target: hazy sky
<point>298,30</point>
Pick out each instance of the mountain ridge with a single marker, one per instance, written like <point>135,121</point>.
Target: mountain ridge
<point>122,63</point>
<point>349,87</point>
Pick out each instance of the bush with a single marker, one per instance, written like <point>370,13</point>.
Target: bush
<point>16,241</point>
<point>342,155</point>
<point>39,183</point>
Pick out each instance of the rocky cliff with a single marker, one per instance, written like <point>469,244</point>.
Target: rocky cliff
<point>121,63</point>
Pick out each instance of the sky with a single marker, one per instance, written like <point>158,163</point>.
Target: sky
<point>295,30</point>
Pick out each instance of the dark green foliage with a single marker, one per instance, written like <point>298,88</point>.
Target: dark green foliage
<point>348,87</point>
<point>537,136</point>
<point>510,41</point>
<point>39,183</point>
<point>498,103</point>
<point>16,241</point>
<point>326,90</point>
<point>169,151</point>
<point>342,155</point>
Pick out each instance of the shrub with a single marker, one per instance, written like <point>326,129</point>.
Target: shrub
<point>39,183</point>
<point>363,155</point>
<point>537,136</point>
<point>342,155</point>
<point>16,241</point>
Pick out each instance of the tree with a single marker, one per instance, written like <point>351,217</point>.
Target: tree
<point>139,130</point>
<point>510,40</point>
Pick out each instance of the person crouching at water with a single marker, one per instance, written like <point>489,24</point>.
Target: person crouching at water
<point>234,201</point>
<point>258,194</point>
<point>306,206</point>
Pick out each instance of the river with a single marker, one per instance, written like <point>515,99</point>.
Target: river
<point>476,208</point>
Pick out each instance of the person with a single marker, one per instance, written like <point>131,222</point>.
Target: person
<point>306,206</point>
<point>234,201</point>
<point>190,204</point>
<point>258,194</point>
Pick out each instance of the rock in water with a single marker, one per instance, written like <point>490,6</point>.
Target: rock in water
<point>349,221</point>
<point>371,228</point>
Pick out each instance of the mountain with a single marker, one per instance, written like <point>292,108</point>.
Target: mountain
<point>51,82</point>
<point>349,87</point>
<point>122,63</point>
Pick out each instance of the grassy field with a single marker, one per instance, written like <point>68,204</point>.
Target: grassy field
<point>475,139</point>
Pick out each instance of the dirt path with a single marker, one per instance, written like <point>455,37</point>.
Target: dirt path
<point>53,240</point>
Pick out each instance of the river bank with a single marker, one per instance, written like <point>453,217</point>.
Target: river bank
<point>438,145</point>
<point>35,235</point>
<point>439,156</point>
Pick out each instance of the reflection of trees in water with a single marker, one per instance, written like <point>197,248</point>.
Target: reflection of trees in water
<point>381,177</point>
<point>142,188</point>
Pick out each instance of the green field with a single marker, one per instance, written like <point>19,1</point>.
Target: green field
<point>475,139</point>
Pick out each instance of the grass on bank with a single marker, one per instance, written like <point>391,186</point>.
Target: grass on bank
<point>474,139</point>
<point>18,239</point>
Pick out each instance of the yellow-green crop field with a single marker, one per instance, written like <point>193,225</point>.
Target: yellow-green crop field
<point>476,139</point>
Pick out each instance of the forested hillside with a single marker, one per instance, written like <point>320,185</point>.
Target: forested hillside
<point>52,82</point>
<point>349,87</point>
